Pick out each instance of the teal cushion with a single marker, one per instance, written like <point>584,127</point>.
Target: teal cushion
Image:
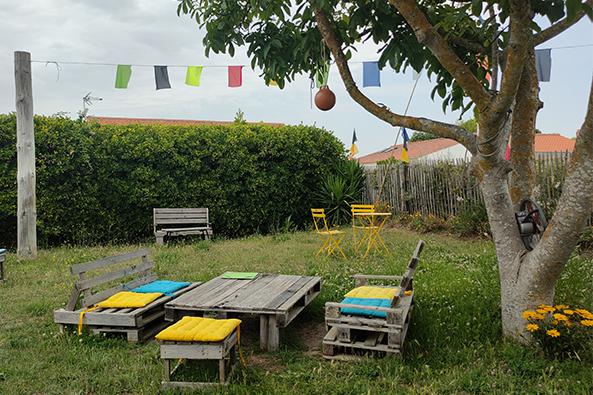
<point>162,286</point>
<point>2,251</point>
<point>366,302</point>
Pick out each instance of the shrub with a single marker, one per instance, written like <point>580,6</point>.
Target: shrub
<point>340,189</point>
<point>99,183</point>
<point>472,221</point>
<point>561,331</point>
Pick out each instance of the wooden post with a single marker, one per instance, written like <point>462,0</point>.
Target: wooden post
<point>25,148</point>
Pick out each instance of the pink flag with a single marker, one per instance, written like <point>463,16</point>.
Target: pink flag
<point>507,154</point>
<point>235,76</point>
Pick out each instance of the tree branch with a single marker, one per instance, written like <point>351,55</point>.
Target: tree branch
<point>429,36</point>
<point>558,27</point>
<point>515,59</point>
<point>574,206</point>
<point>441,129</point>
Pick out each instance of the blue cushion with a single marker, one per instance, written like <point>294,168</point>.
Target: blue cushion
<point>366,302</point>
<point>163,286</point>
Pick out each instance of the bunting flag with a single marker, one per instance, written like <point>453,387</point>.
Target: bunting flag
<point>543,64</point>
<point>405,157</point>
<point>370,74</point>
<point>272,83</point>
<point>122,76</point>
<point>161,77</point>
<point>235,76</point>
<point>322,75</point>
<point>415,75</point>
<point>353,147</point>
<point>193,75</point>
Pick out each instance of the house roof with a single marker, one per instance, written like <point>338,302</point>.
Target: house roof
<point>544,142</point>
<point>156,121</point>
<point>416,149</point>
<point>553,142</point>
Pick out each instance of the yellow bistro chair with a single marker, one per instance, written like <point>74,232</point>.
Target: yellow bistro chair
<point>331,238</point>
<point>364,225</point>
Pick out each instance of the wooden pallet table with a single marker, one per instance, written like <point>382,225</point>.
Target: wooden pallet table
<point>276,298</point>
<point>137,324</point>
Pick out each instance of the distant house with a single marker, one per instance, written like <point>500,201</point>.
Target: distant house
<point>447,149</point>
<point>156,121</point>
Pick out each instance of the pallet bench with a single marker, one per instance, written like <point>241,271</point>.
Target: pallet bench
<point>137,324</point>
<point>170,222</point>
<point>355,334</point>
<point>2,259</point>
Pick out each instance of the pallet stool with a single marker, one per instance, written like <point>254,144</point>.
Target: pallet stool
<point>197,338</point>
<point>2,259</point>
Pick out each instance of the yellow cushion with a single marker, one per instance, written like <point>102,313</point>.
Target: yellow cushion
<point>199,329</point>
<point>122,300</point>
<point>370,292</point>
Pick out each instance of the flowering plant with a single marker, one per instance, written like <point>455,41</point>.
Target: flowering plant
<point>560,330</point>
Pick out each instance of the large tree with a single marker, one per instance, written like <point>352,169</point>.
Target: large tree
<point>458,43</point>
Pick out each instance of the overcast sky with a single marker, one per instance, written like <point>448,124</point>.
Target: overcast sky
<point>149,32</point>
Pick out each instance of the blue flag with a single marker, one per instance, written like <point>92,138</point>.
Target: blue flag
<point>405,157</point>
<point>370,74</point>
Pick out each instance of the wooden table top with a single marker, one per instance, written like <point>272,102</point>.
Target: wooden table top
<point>266,294</point>
<point>371,214</point>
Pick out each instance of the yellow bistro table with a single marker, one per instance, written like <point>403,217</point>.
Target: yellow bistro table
<point>375,222</point>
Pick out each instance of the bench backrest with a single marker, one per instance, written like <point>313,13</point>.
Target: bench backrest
<point>184,217</point>
<point>138,265</point>
<point>406,281</point>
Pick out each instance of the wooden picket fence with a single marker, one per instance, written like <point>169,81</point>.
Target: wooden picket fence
<point>444,189</point>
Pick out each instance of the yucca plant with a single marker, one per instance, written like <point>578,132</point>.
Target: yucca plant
<point>339,190</point>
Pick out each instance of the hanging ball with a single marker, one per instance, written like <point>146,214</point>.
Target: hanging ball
<point>325,99</point>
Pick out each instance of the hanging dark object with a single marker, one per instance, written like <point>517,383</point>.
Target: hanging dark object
<point>325,99</point>
<point>532,223</point>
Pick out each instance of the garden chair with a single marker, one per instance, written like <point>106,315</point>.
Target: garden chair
<point>372,318</point>
<point>331,238</point>
<point>360,225</point>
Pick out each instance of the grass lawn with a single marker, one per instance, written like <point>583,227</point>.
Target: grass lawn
<point>453,345</point>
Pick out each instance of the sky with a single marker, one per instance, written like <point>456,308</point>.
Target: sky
<point>150,32</point>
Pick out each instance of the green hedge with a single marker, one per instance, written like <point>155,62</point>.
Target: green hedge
<point>98,184</point>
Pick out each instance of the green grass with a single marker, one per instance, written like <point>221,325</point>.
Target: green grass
<point>454,344</point>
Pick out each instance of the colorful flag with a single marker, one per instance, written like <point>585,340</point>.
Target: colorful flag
<point>122,76</point>
<point>353,147</point>
<point>273,83</point>
<point>405,157</point>
<point>235,76</point>
<point>322,75</point>
<point>370,74</point>
<point>193,75</point>
<point>543,64</point>
<point>161,77</point>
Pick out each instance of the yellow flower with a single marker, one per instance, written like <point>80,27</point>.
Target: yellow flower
<point>553,333</point>
<point>560,317</point>
<point>542,311</point>
<point>538,317</point>
<point>587,322</point>
<point>568,312</point>
<point>532,327</point>
<point>546,308</point>
<point>555,322</point>
<point>528,314</point>
<point>561,307</point>
<point>585,314</point>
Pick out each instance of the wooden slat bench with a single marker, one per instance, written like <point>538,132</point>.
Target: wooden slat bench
<point>2,259</point>
<point>169,222</point>
<point>137,323</point>
<point>350,333</point>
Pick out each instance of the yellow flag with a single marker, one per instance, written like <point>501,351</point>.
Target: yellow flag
<point>353,150</point>
<point>405,158</point>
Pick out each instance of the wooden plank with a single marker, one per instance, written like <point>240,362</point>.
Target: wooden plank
<point>111,276</point>
<point>263,332</point>
<point>273,334</point>
<point>311,284</point>
<point>180,221</point>
<point>262,295</point>
<point>283,297</point>
<point>88,266</point>
<point>179,210</point>
<point>25,148</point>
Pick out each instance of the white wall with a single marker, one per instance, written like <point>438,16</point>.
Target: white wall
<point>453,152</point>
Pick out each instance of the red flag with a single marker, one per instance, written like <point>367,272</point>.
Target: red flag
<point>507,154</point>
<point>235,76</point>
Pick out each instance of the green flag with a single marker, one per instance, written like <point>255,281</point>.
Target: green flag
<point>192,77</point>
<point>122,77</point>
